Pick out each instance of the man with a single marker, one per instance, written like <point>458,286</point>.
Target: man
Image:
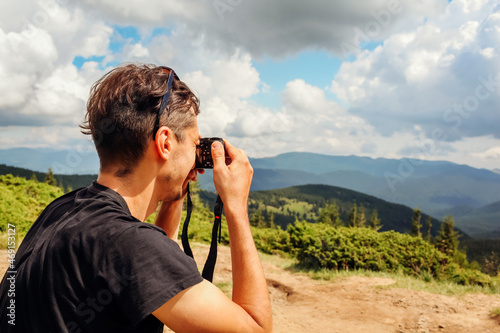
<point>89,263</point>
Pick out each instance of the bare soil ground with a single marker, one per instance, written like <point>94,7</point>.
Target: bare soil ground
<point>356,304</point>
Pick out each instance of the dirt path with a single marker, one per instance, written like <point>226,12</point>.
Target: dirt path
<point>355,304</point>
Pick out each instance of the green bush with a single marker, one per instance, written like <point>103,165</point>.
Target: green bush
<point>467,277</point>
<point>271,241</point>
<point>320,246</point>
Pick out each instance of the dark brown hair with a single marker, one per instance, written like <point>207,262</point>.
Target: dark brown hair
<point>122,109</point>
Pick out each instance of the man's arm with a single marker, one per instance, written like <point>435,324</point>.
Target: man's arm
<point>203,307</point>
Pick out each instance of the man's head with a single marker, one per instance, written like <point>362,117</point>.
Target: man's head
<point>122,111</point>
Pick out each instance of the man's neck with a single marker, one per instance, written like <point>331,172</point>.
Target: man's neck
<point>136,189</point>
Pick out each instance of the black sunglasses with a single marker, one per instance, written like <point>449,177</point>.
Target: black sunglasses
<point>165,98</point>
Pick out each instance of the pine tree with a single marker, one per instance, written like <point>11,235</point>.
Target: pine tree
<point>428,224</point>
<point>335,215</point>
<point>415,226</point>
<point>261,222</point>
<point>360,217</point>
<point>50,179</point>
<point>257,219</point>
<point>270,220</point>
<point>324,216</point>
<point>375,221</point>
<point>330,215</point>
<point>33,177</point>
<point>352,215</point>
<point>491,265</point>
<point>447,240</point>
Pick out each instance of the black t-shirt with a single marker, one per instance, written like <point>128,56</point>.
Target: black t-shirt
<point>87,265</point>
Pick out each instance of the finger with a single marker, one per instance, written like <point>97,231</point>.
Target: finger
<point>218,155</point>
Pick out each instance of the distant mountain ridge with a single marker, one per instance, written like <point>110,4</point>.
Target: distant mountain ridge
<point>431,185</point>
<point>483,222</point>
<point>78,161</point>
<point>320,164</point>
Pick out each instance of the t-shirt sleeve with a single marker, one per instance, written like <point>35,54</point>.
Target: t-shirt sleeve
<point>144,269</point>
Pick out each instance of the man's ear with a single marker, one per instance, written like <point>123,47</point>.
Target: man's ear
<point>163,142</point>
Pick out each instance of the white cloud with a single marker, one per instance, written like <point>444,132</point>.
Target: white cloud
<point>488,52</point>
<point>491,153</point>
<point>307,121</point>
<point>57,137</point>
<point>431,76</point>
<point>280,28</point>
<point>62,95</point>
<point>136,51</point>
<point>38,83</point>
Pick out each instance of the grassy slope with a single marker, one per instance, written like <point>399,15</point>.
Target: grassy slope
<point>22,201</point>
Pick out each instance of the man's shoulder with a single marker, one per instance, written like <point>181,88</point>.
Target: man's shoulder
<point>90,216</point>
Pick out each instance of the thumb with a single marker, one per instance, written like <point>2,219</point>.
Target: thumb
<point>218,155</point>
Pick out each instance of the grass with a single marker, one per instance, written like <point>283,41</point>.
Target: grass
<point>423,283</point>
<point>495,314</point>
<point>293,205</point>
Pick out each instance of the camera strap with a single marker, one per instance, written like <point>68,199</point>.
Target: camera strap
<point>208,269</point>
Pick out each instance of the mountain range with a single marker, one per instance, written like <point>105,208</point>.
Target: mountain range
<point>438,188</point>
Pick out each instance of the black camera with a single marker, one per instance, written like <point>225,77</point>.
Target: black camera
<point>204,153</point>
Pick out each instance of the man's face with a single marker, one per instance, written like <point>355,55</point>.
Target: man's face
<point>181,165</point>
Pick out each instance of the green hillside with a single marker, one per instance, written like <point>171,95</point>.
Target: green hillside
<point>306,203</point>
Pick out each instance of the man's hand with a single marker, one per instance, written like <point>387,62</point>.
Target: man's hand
<point>232,181</point>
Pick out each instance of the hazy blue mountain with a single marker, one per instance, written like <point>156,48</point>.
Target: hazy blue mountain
<point>60,161</point>
<point>430,185</point>
<point>380,167</point>
<point>481,222</point>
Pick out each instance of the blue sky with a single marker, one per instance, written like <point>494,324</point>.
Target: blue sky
<point>389,78</point>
